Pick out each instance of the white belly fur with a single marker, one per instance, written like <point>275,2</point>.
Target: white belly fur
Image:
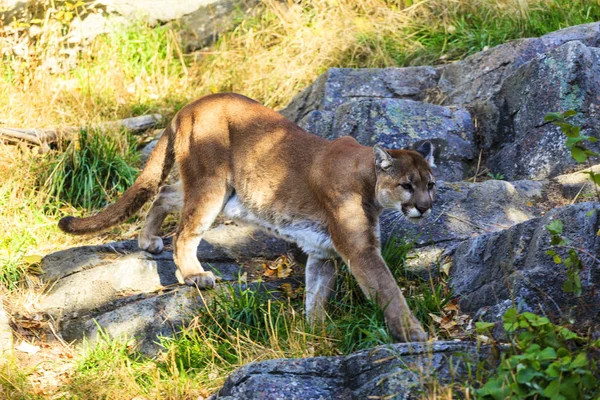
<point>309,236</point>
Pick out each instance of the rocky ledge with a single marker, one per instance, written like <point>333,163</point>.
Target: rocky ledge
<point>399,371</point>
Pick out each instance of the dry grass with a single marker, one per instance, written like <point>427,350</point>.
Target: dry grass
<point>270,56</point>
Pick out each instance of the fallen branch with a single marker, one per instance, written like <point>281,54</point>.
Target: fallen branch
<point>40,137</point>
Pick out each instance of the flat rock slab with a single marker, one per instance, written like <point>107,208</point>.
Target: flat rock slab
<point>129,292</point>
<point>501,269</point>
<point>395,371</point>
<point>141,318</point>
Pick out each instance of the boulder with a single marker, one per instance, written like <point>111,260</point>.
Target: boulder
<point>462,211</point>
<point>341,85</point>
<point>153,11</point>
<point>399,123</point>
<point>204,19</point>
<point>520,143</point>
<point>481,75</point>
<point>206,23</point>
<point>511,267</point>
<point>380,106</point>
<point>398,371</point>
<point>510,88</point>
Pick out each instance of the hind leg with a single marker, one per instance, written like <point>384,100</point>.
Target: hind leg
<point>320,282</point>
<point>169,200</point>
<point>201,207</point>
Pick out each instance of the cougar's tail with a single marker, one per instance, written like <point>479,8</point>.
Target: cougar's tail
<point>143,189</point>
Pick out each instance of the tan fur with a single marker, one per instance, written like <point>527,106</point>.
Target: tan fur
<point>237,156</point>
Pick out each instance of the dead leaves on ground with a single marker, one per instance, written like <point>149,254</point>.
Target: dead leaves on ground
<point>281,268</point>
<point>451,322</point>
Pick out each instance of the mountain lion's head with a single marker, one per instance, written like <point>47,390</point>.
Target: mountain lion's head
<point>405,181</point>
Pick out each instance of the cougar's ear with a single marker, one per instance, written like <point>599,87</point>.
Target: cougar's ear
<point>426,149</point>
<point>383,160</point>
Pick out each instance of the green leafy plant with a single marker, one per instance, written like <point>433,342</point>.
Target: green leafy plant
<point>543,361</point>
<point>498,176</point>
<point>575,142</point>
<point>571,261</point>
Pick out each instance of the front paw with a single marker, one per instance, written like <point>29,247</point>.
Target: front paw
<point>203,280</point>
<point>410,331</point>
<point>153,244</point>
<point>416,333</point>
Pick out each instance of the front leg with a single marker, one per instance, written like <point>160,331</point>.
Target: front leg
<point>320,282</point>
<point>354,234</point>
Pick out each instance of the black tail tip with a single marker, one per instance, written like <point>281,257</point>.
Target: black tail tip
<point>65,224</point>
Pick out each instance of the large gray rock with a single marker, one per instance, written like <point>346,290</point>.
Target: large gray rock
<point>131,293</point>
<point>511,267</point>
<point>463,211</point>
<point>379,106</point>
<point>206,23</point>
<point>481,75</point>
<point>398,371</point>
<point>521,145</point>
<point>341,85</point>
<point>398,123</point>
<point>510,88</point>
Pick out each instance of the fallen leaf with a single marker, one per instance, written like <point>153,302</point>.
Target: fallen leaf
<point>436,318</point>
<point>32,259</point>
<point>280,268</point>
<point>27,348</point>
<point>287,289</point>
<point>452,306</point>
<point>284,271</point>
<point>445,268</point>
<point>269,272</point>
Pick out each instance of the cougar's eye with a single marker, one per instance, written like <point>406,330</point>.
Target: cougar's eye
<point>407,186</point>
<point>430,185</point>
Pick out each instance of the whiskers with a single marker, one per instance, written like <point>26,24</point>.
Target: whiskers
<point>392,218</point>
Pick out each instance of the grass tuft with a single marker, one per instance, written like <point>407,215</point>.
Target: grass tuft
<point>90,172</point>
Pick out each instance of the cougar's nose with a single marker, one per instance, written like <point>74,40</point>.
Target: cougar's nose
<point>422,209</point>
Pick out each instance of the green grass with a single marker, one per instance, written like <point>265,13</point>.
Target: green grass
<point>91,171</point>
<point>13,381</point>
<point>454,30</point>
<point>244,324</point>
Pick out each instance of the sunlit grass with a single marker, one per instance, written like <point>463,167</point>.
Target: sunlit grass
<point>13,381</point>
<point>91,171</point>
<point>245,324</point>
